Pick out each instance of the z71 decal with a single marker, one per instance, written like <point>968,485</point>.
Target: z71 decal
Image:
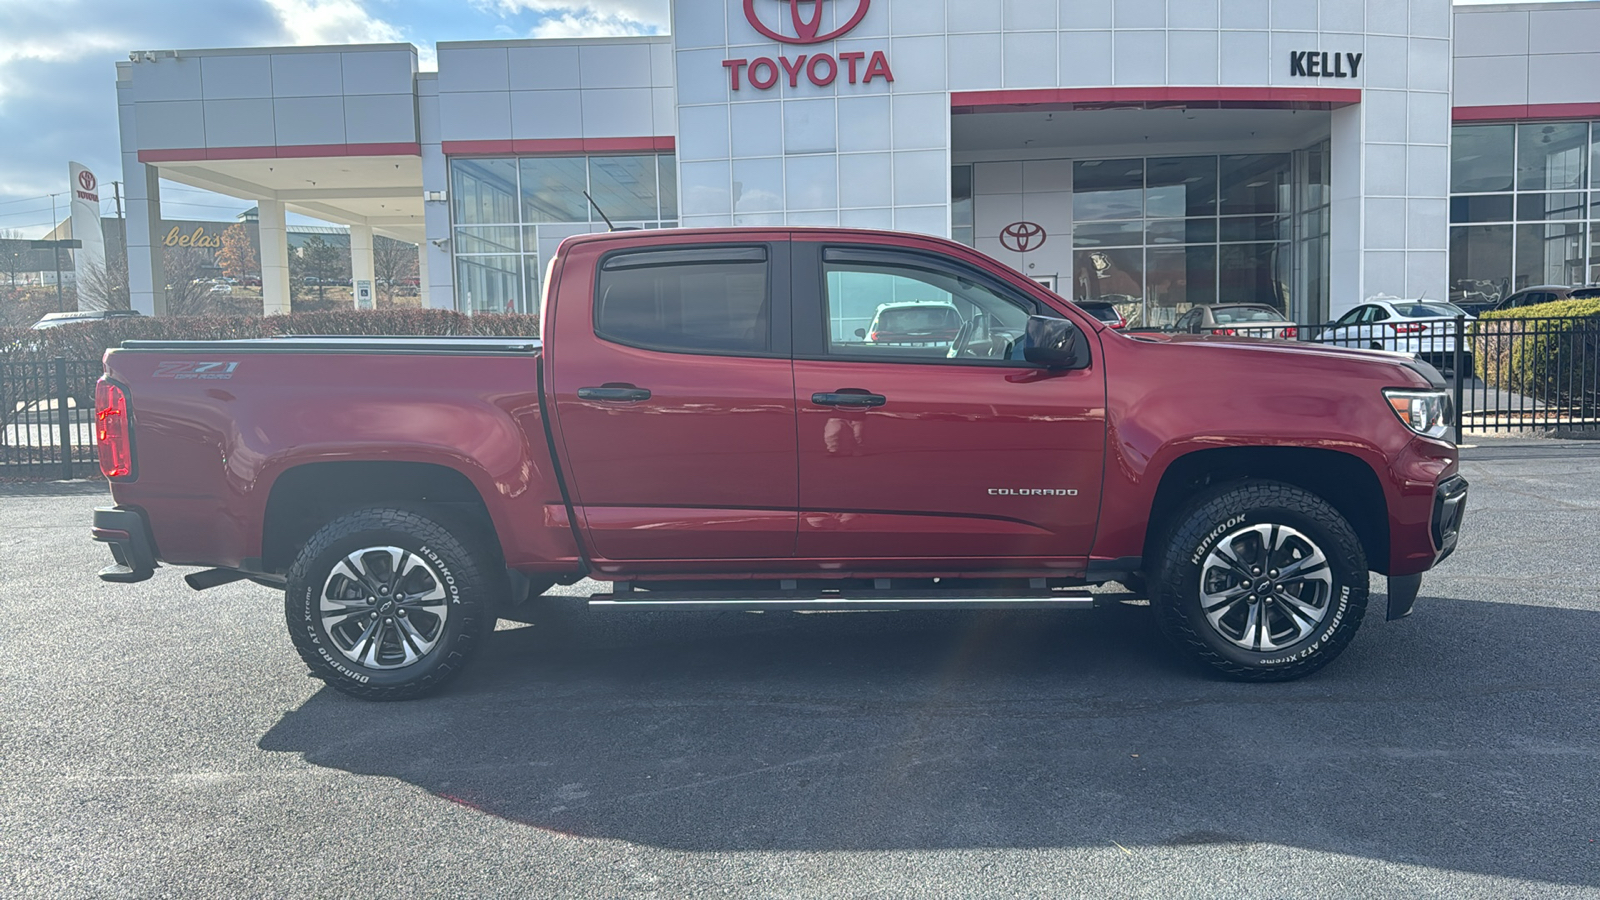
<point>192,370</point>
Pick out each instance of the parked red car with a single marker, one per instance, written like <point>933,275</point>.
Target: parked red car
<point>697,426</point>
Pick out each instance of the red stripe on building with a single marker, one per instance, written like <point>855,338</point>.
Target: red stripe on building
<point>285,151</point>
<point>1529,111</point>
<point>561,146</point>
<point>1060,99</point>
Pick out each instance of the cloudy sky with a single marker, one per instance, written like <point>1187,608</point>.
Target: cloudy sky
<point>58,68</point>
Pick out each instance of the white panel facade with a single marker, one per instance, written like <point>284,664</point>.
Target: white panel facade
<point>555,90</point>
<point>1398,52</point>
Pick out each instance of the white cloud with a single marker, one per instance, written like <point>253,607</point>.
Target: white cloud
<point>587,23</point>
<point>649,13</point>
<point>331,22</point>
<point>566,19</point>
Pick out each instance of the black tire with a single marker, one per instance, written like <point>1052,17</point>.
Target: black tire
<point>458,588</point>
<point>1305,625</point>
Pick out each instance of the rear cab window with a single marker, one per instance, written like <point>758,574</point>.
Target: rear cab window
<point>703,300</point>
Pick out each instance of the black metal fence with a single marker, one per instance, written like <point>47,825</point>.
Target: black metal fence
<point>47,417</point>
<point>1507,374</point>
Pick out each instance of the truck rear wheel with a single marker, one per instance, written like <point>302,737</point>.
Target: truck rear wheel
<point>1261,580</point>
<point>387,604</point>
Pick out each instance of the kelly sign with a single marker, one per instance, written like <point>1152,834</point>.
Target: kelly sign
<point>1314,64</point>
<point>820,68</point>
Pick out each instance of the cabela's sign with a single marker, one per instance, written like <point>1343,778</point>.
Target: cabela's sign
<point>821,69</point>
<point>196,238</point>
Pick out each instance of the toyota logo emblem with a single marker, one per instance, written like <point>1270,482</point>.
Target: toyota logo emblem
<point>85,180</point>
<point>1020,237</point>
<point>807,30</point>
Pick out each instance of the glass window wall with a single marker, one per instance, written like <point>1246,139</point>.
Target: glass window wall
<point>1157,236</point>
<point>1525,200</point>
<point>502,209</point>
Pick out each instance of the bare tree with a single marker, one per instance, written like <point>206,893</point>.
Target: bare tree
<point>188,291</point>
<point>106,285</point>
<point>395,265</point>
<point>13,255</point>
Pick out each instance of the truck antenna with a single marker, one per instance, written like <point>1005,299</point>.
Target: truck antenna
<point>602,212</point>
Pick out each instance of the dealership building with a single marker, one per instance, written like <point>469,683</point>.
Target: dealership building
<point>1156,153</point>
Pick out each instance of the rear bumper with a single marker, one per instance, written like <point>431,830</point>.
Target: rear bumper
<point>129,538</point>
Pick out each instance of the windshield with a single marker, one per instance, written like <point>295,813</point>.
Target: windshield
<point>1228,315</point>
<point>918,318</point>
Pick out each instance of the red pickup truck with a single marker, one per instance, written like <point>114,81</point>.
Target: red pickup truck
<point>702,424</point>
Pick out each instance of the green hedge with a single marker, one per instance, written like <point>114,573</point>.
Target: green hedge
<point>89,340</point>
<point>1549,352</point>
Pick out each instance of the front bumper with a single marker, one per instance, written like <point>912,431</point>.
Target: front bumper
<point>1449,509</point>
<point>125,530</point>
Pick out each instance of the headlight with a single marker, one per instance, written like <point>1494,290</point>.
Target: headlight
<point>1428,413</point>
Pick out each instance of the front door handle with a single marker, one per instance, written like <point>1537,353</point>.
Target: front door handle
<point>850,397</point>
<point>614,393</point>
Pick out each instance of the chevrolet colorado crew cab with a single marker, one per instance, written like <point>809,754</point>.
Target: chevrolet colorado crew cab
<point>701,423</point>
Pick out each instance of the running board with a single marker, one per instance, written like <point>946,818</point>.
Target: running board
<point>836,602</point>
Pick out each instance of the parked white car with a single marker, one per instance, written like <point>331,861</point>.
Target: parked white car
<point>1421,328</point>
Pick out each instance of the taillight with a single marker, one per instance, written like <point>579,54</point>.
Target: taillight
<point>1121,322</point>
<point>873,337</point>
<point>1409,329</point>
<point>1291,333</point>
<point>111,432</point>
<point>1223,331</point>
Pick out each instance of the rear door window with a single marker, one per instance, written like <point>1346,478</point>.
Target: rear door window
<point>714,300</point>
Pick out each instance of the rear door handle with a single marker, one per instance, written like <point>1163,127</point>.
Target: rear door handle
<point>614,393</point>
<point>849,398</point>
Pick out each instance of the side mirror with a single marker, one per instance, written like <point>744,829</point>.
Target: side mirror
<point>1055,344</point>
<point>861,332</point>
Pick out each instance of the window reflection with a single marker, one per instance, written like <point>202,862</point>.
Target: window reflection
<point>504,209</point>
<point>1255,183</point>
<point>1552,156</point>
<point>1482,158</point>
<point>1107,189</point>
<point>1182,186</point>
<point>1156,236</point>
<point>1550,254</point>
<point>1507,181</point>
<point>1480,263</point>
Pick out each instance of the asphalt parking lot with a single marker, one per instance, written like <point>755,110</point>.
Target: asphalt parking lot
<point>159,742</point>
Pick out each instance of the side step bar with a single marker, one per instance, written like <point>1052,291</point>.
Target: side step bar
<point>834,602</point>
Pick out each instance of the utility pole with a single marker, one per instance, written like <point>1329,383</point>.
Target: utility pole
<point>55,247</point>
<point>116,188</point>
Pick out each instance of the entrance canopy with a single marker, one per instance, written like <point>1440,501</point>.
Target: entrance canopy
<point>382,192</point>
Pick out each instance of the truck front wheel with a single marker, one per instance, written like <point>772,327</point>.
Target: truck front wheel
<point>1261,580</point>
<point>387,604</point>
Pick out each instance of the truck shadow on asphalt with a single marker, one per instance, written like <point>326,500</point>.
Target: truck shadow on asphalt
<point>1456,740</point>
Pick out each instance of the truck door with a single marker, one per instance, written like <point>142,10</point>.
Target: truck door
<point>674,392</point>
<point>958,452</point>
